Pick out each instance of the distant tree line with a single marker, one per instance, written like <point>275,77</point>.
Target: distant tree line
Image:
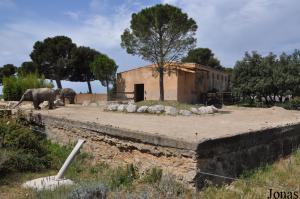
<point>267,78</point>
<point>58,58</point>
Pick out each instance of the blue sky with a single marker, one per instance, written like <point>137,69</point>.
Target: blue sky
<point>228,27</point>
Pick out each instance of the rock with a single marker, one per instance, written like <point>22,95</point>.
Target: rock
<point>214,108</point>
<point>131,102</point>
<point>44,105</point>
<point>170,110</point>
<point>156,109</point>
<point>185,112</point>
<point>194,110</point>
<point>2,100</point>
<point>131,108</point>
<point>207,110</point>
<point>93,104</point>
<point>11,104</point>
<point>112,107</point>
<point>142,109</point>
<point>122,107</point>
<point>58,102</point>
<point>86,102</point>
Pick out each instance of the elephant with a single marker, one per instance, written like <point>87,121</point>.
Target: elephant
<point>37,96</point>
<point>67,93</point>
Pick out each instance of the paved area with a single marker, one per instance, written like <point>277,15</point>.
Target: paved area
<point>230,121</point>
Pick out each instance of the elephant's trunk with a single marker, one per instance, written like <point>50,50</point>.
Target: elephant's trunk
<point>21,100</point>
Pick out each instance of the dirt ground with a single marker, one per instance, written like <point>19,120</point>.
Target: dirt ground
<point>229,121</point>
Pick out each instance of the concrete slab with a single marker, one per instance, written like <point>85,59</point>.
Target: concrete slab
<point>194,129</point>
<point>47,183</point>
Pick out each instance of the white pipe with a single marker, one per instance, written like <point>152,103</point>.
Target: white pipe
<point>69,160</point>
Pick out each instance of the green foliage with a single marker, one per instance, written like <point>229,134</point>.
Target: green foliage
<point>122,177</point>
<point>160,34</point>
<point>153,176</point>
<point>264,78</point>
<point>203,56</point>
<point>20,148</point>
<point>14,87</point>
<point>7,71</point>
<point>81,58</point>
<point>89,191</point>
<point>27,68</point>
<point>292,104</point>
<point>104,70</point>
<point>52,56</point>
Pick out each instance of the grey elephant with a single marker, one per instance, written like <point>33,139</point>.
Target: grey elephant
<point>37,96</point>
<point>67,93</point>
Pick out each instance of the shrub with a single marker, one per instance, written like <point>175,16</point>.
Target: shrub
<point>14,87</point>
<point>153,176</point>
<point>122,176</point>
<point>21,149</point>
<point>89,191</point>
<point>293,104</point>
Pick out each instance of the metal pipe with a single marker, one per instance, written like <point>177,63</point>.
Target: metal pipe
<point>69,160</point>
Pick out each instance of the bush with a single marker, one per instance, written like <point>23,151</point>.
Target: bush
<point>153,176</point>
<point>122,177</point>
<point>89,191</point>
<point>14,87</point>
<point>21,149</point>
<point>293,104</point>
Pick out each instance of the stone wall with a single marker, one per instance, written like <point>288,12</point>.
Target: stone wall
<point>232,155</point>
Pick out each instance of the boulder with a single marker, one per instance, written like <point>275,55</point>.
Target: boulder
<point>131,102</point>
<point>156,109</point>
<point>44,105</point>
<point>207,110</point>
<point>170,110</point>
<point>86,102</point>
<point>131,108</point>
<point>122,107</point>
<point>58,102</point>
<point>112,107</point>
<point>142,109</point>
<point>194,110</point>
<point>185,112</point>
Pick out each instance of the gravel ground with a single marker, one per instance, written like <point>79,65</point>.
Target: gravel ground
<point>229,121</point>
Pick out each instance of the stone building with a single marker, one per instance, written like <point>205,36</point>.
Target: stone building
<point>183,82</point>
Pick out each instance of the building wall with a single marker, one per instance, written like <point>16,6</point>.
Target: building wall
<point>186,87</point>
<point>150,79</point>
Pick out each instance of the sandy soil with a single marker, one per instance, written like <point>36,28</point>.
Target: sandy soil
<point>231,120</point>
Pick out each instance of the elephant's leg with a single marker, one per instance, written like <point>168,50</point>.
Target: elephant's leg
<point>36,105</point>
<point>51,104</point>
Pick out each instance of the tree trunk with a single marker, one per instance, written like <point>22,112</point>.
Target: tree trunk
<point>107,90</point>
<point>58,83</point>
<point>161,83</point>
<point>89,86</point>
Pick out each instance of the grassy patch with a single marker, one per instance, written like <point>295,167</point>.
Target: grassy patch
<point>175,104</point>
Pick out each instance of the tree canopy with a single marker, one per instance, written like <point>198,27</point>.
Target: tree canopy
<point>104,70</point>
<point>52,56</point>
<point>160,34</point>
<point>267,77</point>
<point>6,71</point>
<point>26,68</point>
<point>81,58</point>
<point>203,56</point>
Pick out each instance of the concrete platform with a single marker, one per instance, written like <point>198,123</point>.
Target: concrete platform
<point>193,129</point>
<point>226,143</point>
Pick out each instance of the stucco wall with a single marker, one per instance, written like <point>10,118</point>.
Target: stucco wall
<point>90,97</point>
<point>150,79</point>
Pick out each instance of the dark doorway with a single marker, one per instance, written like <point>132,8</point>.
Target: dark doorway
<point>138,92</point>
